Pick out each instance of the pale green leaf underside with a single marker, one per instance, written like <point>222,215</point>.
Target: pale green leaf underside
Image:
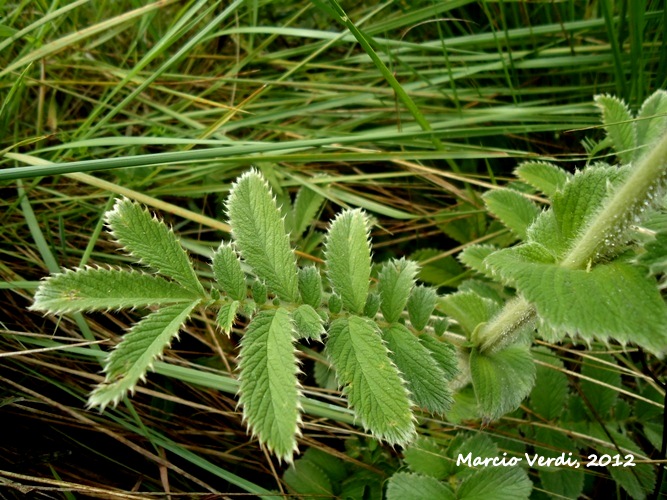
<point>228,273</point>
<point>513,209</point>
<point>260,235</point>
<point>468,309</point>
<point>372,383</point>
<point>269,386</point>
<point>499,483</point>
<point>651,121</point>
<point>502,380</point>
<point>544,176</point>
<point>474,255</point>
<point>152,242</point>
<point>395,281</point>
<point>137,351</point>
<point>406,486</point>
<point>96,289</point>
<point>614,300</point>
<point>348,254</point>
<point>619,125</point>
<point>426,381</point>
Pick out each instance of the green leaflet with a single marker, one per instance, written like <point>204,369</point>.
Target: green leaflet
<point>468,309</point>
<point>152,243</point>
<point>260,235</point>
<point>372,383</point>
<point>566,481</point>
<point>426,381</point>
<point>620,127</point>
<point>228,273</point>
<point>514,210</point>
<point>227,315</point>
<point>395,282</point>
<point>306,478</point>
<point>310,286</point>
<point>601,397</point>
<point>269,386</point>
<point>136,353</point>
<point>544,176</point>
<point>651,120</point>
<point>502,379</point>
<point>348,255</point>
<point>308,323</point>
<point>421,305</point>
<point>549,396</point>
<point>474,255</point>
<point>426,457</point>
<point>611,300</point>
<point>93,289</point>
<point>406,486</point>
<point>443,353</point>
<point>499,483</point>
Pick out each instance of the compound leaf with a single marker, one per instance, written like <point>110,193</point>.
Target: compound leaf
<point>426,381</point>
<point>614,300</point>
<point>152,243</point>
<point>269,386</point>
<point>348,255</point>
<point>620,127</point>
<point>513,209</point>
<point>502,379</point>
<point>372,383</point>
<point>406,486</point>
<point>395,282</point>
<point>228,273</point>
<point>136,353</point>
<point>544,176</point>
<point>260,234</point>
<point>97,289</point>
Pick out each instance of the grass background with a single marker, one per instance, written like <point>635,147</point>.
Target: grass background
<point>410,110</point>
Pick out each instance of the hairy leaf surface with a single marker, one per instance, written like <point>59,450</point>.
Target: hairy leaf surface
<point>513,209</point>
<point>421,305</point>
<point>228,273</point>
<point>372,383</point>
<point>426,457</point>
<point>468,308</point>
<point>651,121</point>
<point>474,255</point>
<point>614,300</point>
<point>395,282</point>
<point>406,486</point>
<point>499,483</point>
<point>310,286</point>
<point>260,234</point>
<point>137,351</point>
<point>502,379</point>
<point>152,243</point>
<point>348,254</point>
<point>544,176</point>
<point>308,323</point>
<point>269,386</point>
<point>426,381</point>
<point>227,315</point>
<point>97,289</point>
<point>443,353</point>
<point>618,123</point>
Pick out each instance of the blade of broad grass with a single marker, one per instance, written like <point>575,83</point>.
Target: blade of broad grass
<point>78,36</point>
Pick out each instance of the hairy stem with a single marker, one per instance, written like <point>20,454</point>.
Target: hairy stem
<point>641,190</point>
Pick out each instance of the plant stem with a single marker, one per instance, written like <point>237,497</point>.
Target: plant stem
<point>505,327</point>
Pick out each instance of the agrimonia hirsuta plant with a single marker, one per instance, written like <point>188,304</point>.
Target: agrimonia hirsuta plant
<point>587,268</point>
